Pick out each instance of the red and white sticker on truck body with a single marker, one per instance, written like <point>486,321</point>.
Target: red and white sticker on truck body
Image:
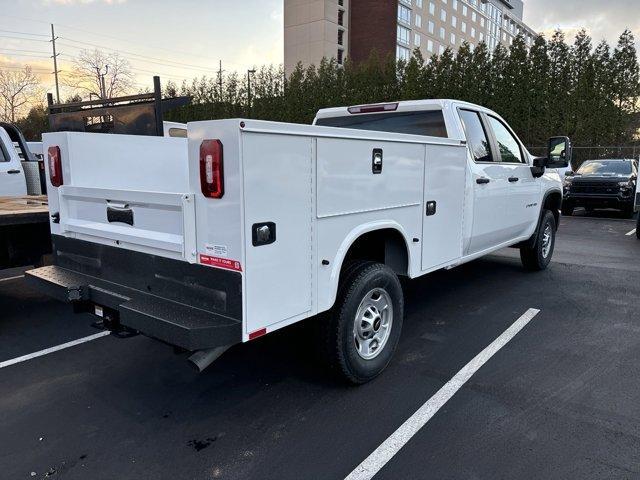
<point>225,263</point>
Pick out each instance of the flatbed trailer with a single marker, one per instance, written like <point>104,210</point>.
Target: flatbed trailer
<point>25,237</point>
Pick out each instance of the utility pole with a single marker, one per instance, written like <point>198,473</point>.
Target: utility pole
<point>220,80</point>
<point>55,62</point>
<point>101,83</point>
<point>249,73</point>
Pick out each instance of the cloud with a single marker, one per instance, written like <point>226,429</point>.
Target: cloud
<point>83,2</point>
<point>602,20</point>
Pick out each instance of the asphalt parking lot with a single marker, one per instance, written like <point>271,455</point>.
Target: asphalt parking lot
<point>560,400</point>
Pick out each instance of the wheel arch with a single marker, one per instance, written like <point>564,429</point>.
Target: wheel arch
<point>365,241</point>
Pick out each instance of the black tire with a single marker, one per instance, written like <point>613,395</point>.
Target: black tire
<point>627,212</point>
<point>567,210</point>
<point>338,326</point>
<point>638,227</point>
<point>534,258</point>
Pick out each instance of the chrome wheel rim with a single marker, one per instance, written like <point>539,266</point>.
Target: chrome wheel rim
<point>547,237</point>
<point>372,324</point>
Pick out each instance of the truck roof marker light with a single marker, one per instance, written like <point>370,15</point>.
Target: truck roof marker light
<point>257,333</point>
<point>54,159</point>
<point>212,169</point>
<point>380,107</point>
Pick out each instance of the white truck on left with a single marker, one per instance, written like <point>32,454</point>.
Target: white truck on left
<point>24,216</point>
<point>246,227</point>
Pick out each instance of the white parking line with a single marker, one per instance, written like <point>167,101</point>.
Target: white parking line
<point>46,351</point>
<point>632,232</point>
<point>11,278</point>
<point>398,439</point>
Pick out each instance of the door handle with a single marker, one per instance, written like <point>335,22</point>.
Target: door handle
<point>482,181</point>
<point>13,171</point>
<point>513,179</point>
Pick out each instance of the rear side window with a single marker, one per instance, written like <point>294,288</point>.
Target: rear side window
<point>3,156</point>
<point>429,123</point>
<point>476,136</point>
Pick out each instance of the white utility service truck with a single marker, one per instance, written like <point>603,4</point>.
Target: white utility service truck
<point>257,225</point>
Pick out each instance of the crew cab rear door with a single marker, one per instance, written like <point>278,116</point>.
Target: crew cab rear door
<point>490,184</point>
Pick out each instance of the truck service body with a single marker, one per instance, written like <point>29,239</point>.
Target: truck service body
<point>248,226</point>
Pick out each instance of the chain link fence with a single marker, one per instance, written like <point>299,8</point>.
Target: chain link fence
<point>581,154</point>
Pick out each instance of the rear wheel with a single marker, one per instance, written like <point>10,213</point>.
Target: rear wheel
<point>539,256</point>
<point>567,210</point>
<point>362,330</point>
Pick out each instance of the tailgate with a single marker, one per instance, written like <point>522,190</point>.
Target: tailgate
<point>123,190</point>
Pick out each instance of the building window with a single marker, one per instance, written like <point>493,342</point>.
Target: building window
<point>341,17</point>
<point>418,20</point>
<point>419,3</point>
<point>403,53</point>
<point>463,27</point>
<point>431,27</point>
<point>454,4</point>
<point>443,15</point>
<point>464,10</point>
<point>340,56</point>
<point>430,45</point>
<point>340,37</point>
<point>473,16</point>
<point>454,21</point>
<point>442,33</point>
<point>441,49</point>
<point>404,14</point>
<point>432,8</point>
<point>403,35</point>
<point>453,39</point>
<point>482,22</point>
<point>417,39</point>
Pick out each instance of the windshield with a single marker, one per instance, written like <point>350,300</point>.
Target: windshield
<point>604,167</point>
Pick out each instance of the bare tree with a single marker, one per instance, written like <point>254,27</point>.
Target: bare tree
<point>105,75</point>
<point>18,90</point>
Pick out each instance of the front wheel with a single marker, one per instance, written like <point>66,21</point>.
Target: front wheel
<point>539,256</point>
<point>362,330</point>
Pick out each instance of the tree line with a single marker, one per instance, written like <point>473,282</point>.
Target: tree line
<point>590,93</point>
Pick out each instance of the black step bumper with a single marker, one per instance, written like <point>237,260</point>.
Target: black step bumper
<point>190,306</point>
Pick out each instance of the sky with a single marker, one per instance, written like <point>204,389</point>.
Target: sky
<point>181,39</point>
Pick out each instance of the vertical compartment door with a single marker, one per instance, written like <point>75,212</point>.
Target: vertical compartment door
<point>444,191</point>
<point>277,224</point>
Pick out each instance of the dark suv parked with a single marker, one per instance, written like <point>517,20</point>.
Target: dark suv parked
<point>601,184</point>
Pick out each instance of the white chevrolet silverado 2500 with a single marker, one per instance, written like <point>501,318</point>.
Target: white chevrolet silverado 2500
<point>257,225</point>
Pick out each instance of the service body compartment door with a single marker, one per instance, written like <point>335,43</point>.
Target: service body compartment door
<point>444,193</point>
<point>277,195</point>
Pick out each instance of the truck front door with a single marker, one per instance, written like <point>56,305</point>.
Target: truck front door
<point>522,209</point>
<point>490,184</point>
<point>12,179</point>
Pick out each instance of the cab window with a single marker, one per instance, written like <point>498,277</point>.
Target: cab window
<point>476,136</point>
<point>509,148</point>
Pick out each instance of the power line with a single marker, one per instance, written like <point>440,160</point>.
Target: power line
<point>24,33</point>
<point>21,50</point>
<point>24,39</point>
<point>159,61</point>
<point>22,55</point>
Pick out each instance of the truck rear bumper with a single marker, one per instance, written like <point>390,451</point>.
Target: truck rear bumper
<point>190,306</point>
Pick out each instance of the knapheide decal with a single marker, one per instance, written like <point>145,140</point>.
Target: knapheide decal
<point>221,263</point>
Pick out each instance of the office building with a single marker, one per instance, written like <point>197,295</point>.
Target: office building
<point>353,28</point>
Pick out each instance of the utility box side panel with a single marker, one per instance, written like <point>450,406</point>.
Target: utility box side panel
<point>277,188</point>
<point>350,182</point>
<point>444,200</point>
<point>218,220</point>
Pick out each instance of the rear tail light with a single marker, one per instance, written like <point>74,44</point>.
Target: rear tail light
<point>212,169</point>
<point>55,166</point>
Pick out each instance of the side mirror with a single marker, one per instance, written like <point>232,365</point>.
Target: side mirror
<point>559,152</point>
<point>568,173</point>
